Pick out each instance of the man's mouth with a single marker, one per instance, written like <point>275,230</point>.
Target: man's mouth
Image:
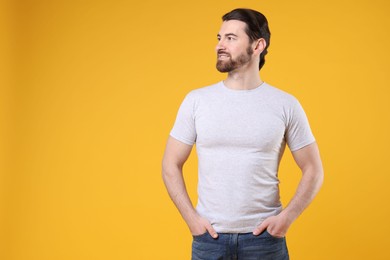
<point>223,55</point>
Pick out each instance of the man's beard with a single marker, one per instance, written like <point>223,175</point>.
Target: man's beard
<point>232,64</point>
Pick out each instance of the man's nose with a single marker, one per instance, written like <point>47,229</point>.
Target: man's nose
<point>220,46</point>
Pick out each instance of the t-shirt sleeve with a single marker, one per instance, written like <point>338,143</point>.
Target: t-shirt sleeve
<point>298,133</point>
<point>184,127</point>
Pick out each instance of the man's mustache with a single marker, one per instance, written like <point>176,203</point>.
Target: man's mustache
<point>223,53</point>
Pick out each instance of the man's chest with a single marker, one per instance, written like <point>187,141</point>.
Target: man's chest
<point>242,125</point>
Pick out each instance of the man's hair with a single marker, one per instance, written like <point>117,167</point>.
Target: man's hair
<point>256,27</point>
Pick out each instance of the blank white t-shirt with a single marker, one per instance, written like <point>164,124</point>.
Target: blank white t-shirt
<point>240,137</point>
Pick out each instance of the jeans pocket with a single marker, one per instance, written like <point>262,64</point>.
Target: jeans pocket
<point>201,236</point>
<point>271,236</point>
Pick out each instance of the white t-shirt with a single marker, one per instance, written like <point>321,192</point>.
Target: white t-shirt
<point>240,137</point>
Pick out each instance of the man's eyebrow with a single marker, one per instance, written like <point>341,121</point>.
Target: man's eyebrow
<point>231,34</point>
<point>227,34</point>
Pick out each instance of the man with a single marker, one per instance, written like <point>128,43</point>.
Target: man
<point>241,127</point>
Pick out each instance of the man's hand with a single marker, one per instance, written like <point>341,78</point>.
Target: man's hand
<point>276,226</point>
<point>200,226</point>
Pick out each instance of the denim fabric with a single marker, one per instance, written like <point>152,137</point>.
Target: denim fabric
<point>243,246</point>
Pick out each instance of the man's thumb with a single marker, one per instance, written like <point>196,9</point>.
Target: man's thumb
<point>211,231</point>
<point>259,229</point>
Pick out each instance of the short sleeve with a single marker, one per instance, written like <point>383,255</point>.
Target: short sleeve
<point>184,127</point>
<point>298,133</point>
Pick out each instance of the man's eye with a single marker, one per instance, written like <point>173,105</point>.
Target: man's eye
<point>230,38</point>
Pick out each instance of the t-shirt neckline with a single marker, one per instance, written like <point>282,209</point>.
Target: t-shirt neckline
<point>258,88</point>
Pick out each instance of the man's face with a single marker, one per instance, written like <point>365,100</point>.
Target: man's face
<point>233,49</point>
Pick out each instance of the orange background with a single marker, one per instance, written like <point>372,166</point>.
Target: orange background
<point>89,93</point>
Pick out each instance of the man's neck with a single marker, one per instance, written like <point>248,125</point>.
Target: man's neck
<point>243,80</point>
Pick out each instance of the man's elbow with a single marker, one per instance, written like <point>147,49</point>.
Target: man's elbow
<point>318,177</point>
<point>169,170</point>
<point>165,170</point>
<point>314,175</point>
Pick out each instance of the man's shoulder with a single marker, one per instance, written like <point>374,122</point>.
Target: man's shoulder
<point>203,93</point>
<point>276,91</point>
<point>278,94</point>
<point>206,89</point>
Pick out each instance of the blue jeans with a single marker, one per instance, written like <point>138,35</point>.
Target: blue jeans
<point>242,246</point>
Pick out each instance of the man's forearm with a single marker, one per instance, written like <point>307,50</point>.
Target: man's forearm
<point>307,189</point>
<point>174,182</point>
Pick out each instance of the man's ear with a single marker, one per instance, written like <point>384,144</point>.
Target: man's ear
<point>260,45</point>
